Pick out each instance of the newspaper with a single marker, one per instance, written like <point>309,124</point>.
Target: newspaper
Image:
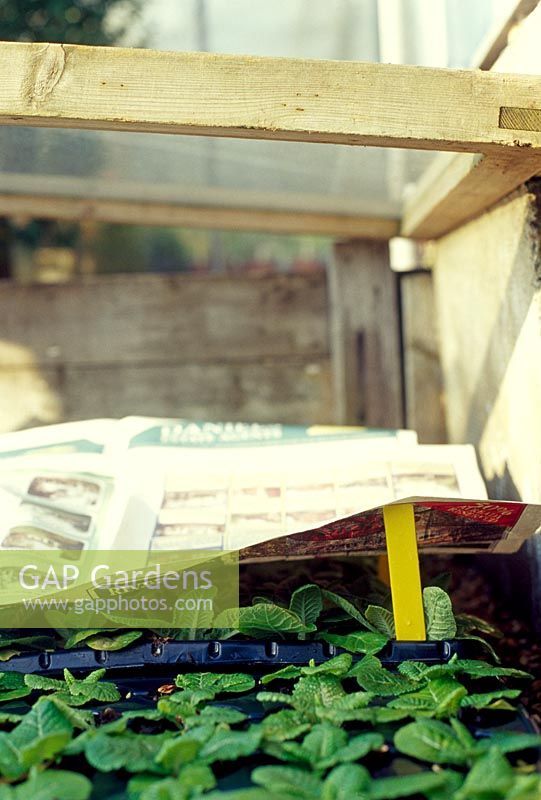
<point>269,491</point>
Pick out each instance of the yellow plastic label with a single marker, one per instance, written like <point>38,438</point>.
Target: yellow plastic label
<point>406,592</point>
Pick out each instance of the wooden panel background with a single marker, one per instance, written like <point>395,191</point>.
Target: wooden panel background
<point>488,295</point>
<point>201,347</point>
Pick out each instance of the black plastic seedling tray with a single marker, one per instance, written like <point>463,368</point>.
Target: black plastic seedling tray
<point>257,656</point>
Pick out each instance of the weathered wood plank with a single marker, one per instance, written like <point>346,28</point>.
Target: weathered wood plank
<point>195,216</point>
<point>488,296</point>
<point>459,187</point>
<point>272,98</point>
<point>364,331</point>
<point>286,391</point>
<point>153,319</point>
<point>423,381</point>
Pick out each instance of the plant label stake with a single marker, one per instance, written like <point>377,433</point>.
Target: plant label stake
<point>405,575</point>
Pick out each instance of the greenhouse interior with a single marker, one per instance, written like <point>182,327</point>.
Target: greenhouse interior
<point>235,234</point>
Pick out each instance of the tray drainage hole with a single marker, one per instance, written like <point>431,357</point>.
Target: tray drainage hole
<point>44,660</point>
<point>157,650</point>
<point>100,656</point>
<point>271,649</point>
<point>214,650</point>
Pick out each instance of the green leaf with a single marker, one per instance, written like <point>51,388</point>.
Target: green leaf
<point>406,785</point>
<point>491,773</point>
<point>288,782</point>
<point>440,620</point>
<point>193,780</point>
<point>432,741</point>
<point>283,725</point>
<point>286,673</point>
<point>373,677</point>
<point>178,751</point>
<point>55,784</point>
<point>510,742</point>
<point>382,620</point>
<point>7,653</point>
<point>215,682</point>
<point>468,622</point>
<point>43,683</point>
<point>351,610</point>
<point>130,751</point>
<point>358,642</point>
<point>12,686</point>
<point>269,617</point>
<point>346,782</point>
<point>40,735</point>
<point>76,637</point>
<point>116,641</point>
<point>339,666</point>
<point>306,603</point>
<point>486,699</point>
<point>230,745</point>
<point>441,697</point>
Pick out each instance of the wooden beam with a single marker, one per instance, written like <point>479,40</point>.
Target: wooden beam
<point>459,187</point>
<point>338,102</point>
<point>496,40</point>
<point>130,212</point>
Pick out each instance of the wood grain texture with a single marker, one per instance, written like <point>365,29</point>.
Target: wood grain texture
<point>272,98</point>
<point>223,348</point>
<point>150,319</point>
<point>194,216</point>
<point>459,187</point>
<point>423,380</point>
<point>364,330</point>
<point>488,301</point>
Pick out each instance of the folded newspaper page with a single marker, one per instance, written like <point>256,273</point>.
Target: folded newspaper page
<point>269,491</point>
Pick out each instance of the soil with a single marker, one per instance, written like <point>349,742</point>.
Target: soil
<point>520,645</point>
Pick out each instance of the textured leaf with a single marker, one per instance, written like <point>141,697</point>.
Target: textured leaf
<point>40,735</point>
<point>178,751</point>
<point>469,622</point>
<point>510,742</point>
<point>351,610</point>
<point>440,620</point>
<point>307,603</point>
<point>287,782</point>
<point>216,682</point>
<point>117,641</point>
<point>359,642</point>
<point>441,697</point>
<point>373,677</point>
<point>486,699</point>
<point>283,725</point>
<point>76,637</point>
<point>345,782</point>
<point>54,784</point>
<point>230,745</point>
<point>130,751</point>
<point>286,673</point>
<point>382,619</point>
<point>193,779</point>
<point>432,741</point>
<point>492,767</point>
<point>43,683</point>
